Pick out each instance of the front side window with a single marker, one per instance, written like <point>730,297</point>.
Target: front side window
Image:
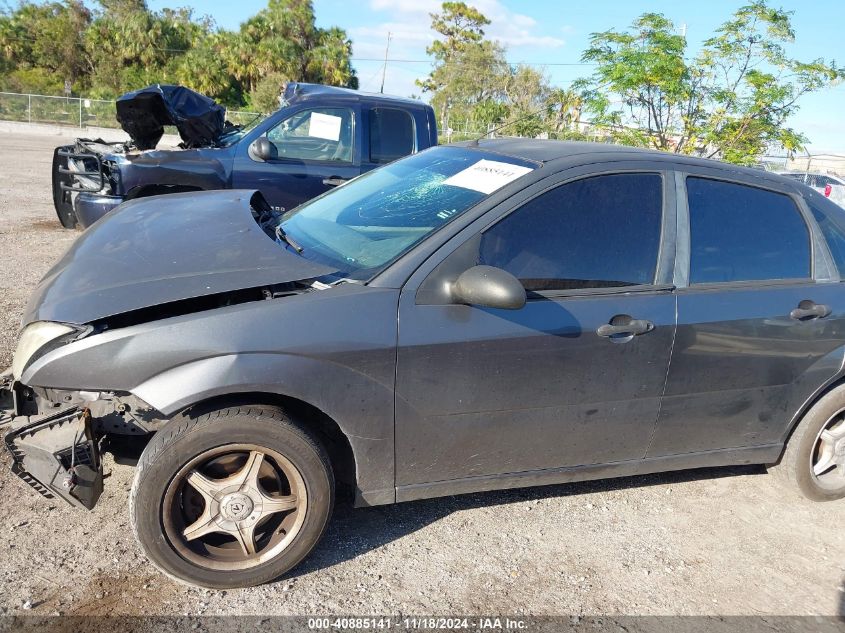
<point>391,134</point>
<point>362,226</point>
<point>318,134</point>
<point>741,233</point>
<point>599,232</point>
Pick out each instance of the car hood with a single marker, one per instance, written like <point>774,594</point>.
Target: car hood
<point>163,249</point>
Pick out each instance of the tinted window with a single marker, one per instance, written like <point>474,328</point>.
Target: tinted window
<point>391,134</point>
<point>319,134</point>
<point>598,232</point>
<point>831,221</point>
<point>740,233</point>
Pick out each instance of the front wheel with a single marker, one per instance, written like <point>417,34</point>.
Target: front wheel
<point>232,498</point>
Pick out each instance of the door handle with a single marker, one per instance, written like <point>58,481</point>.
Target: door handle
<point>334,181</point>
<point>633,327</point>
<point>808,311</point>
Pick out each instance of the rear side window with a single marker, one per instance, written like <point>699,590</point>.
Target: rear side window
<point>391,134</point>
<point>740,233</point>
<point>599,232</point>
<point>817,180</point>
<point>831,221</point>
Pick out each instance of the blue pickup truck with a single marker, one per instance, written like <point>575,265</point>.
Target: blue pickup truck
<point>319,138</point>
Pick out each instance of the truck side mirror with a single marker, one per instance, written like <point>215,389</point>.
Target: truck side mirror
<point>488,287</point>
<point>261,149</point>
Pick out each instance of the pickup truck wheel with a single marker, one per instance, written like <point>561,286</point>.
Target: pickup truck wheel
<point>232,498</point>
<point>813,461</point>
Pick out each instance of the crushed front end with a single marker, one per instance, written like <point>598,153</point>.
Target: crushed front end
<point>86,180</point>
<point>7,397</point>
<point>56,438</point>
<point>58,456</point>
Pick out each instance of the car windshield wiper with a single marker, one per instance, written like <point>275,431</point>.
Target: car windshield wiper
<point>287,239</point>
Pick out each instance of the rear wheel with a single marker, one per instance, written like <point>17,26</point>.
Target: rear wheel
<point>232,498</point>
<point>814,459</point>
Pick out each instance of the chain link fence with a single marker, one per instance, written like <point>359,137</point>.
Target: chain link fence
<point>830,164</point>
<point>83,113</point>
<point>466,130</point>
<point>77,112</point>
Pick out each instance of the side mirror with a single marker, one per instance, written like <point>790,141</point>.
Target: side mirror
<point>261,148</point>
<point>488,287</point>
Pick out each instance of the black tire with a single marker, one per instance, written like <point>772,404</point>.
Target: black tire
<point>795,468</point>
<point>186,437</point>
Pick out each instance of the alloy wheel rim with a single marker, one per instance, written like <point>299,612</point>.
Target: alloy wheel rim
<point>827,463</point>
<point>234,507</point>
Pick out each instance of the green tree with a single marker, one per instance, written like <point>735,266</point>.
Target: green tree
<point>526,90</point>
<point>563,111</point>
<point>283,38</point>
<point>466,66</point>
<point>265,96</point>
<point>120,45</point>
<point>732,100</point>
<point>46,39</point>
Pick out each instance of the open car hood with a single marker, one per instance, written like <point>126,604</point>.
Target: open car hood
<point>157,250</point>
<point>143,114</point>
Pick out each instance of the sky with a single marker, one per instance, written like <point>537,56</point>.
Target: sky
<point>553,34</point>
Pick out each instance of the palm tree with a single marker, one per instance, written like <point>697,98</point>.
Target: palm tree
<point>565,109</point>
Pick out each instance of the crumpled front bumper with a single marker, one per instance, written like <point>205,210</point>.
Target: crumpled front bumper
<point>7,397</point>
<point>57,454</point>
<point>90,207</point>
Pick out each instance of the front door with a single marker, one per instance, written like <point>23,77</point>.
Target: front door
<point>314,149</point>
<point>574,377</point>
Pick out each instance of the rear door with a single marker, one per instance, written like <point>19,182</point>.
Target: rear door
<point>761,316</point>
<point>483,392</point>
<point>314,149</point>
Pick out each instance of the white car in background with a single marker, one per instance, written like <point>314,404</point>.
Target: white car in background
<point>831,186</point>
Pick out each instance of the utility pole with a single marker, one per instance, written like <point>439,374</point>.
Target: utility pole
<point>384,68</point>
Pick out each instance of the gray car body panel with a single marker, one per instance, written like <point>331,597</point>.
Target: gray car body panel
<point>163,249</point>
<point>334,349</point>
<point>337,349</point>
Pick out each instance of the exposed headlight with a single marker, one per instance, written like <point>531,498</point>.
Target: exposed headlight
<point>37,337</point>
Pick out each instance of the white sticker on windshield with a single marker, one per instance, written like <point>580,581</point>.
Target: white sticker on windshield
<point>324,126</point>
<point>486,176</point>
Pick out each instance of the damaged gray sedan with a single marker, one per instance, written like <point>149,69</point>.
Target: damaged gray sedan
<point>498,314</point>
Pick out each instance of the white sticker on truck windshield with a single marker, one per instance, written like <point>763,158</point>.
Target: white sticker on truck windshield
<point>487,175</point>
<point>324,126</point>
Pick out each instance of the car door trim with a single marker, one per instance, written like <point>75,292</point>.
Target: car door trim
<point>680,277</point>
<point>760,454</point>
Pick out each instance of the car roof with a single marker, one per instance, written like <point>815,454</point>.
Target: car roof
<point>296,91</point>
<point>551,151</point>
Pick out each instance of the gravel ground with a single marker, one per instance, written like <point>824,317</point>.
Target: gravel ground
<point>722,541</point>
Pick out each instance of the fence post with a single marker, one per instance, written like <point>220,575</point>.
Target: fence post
<point>80,114</point>
<point>29,110</point>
